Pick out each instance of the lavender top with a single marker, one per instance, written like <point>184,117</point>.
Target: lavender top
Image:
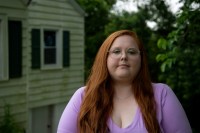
<point>170,114</point>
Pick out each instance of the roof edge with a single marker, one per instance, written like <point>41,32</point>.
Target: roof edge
<point>77,6</point>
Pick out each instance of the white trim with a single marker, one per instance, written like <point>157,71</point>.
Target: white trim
<point>59,46</point>
<point>3,48</point>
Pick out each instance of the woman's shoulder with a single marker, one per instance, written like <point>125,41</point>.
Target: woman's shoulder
<point>80,90</point>
<point>160,88</point>
<point>161,91</point>
<point>79,93</point>
<point>168,104</point>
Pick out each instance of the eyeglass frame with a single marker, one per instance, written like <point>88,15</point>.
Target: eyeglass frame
<point>114,52</point>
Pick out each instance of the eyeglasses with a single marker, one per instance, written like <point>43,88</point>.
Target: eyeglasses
<point>117,53</point>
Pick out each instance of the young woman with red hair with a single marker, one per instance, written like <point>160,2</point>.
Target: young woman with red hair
<point>119,96</point>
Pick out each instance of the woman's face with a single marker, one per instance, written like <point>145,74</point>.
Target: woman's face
<point>124,60</point>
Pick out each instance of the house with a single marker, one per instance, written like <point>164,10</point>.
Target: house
<point>41,60</point>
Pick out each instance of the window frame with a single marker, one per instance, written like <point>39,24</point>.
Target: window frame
<point>59,52</point>
<point>4,75</point>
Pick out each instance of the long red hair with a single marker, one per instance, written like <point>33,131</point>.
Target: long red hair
<point>97,104</point>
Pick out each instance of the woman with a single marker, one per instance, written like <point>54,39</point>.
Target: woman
<point>119,96</point>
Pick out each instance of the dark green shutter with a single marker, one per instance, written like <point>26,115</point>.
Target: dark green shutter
<point>15,48</point>
<point>66,48</point>
<point>35,43</point>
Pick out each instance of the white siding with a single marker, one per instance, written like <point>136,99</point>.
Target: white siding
<point>38,88</point>
<point>57,85</point>
<point>13,91</point>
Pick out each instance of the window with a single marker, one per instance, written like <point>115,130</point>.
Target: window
<point>50,48</point>
<point>10,48</point>
<point>3,48</point>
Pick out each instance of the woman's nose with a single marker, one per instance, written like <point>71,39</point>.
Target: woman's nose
<point>123,55</point>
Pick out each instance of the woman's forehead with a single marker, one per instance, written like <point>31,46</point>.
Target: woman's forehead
<point>124,41</point>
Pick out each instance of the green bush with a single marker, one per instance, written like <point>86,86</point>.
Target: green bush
<point>8,124</point>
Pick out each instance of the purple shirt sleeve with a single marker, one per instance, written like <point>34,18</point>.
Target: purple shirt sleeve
<point>174,119</point>
<point>68,120</point>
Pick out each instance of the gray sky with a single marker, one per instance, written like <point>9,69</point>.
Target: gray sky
<point>130,5</point>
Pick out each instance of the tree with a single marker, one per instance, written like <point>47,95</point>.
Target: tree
<point>97,12</point>
<point>181,59</point>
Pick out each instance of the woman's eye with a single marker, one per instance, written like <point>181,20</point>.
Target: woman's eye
<point>116,51</point>
<point>132,52</point>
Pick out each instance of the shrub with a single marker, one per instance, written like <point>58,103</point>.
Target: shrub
<point>8,124</point>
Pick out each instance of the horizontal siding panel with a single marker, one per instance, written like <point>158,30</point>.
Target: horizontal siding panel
<point>19,119</point>
<point>79,32</point>
<point>12,4</point>
<point>74,86</point>
<point>17,99</point>
<point>24,72</point>
<point>43,81</point>
<point>21,82</point>
<point>66,95</point>
<point>24,47</point>
<point>77,44</point>
<point>47,89</point>
<point>77,38</point>
<point>56,4</point>
<point>77,49</point>
<point>50,23</point>
<point>44,96</point>
<point>77,73</point>
<point>54,74</point>
<point>14,13</point>
<point>59,74</point>
<point>76,56</point>
<point>15,109</point>
<point>45,102</point>
<point>76,67</point>
<point>24,58</point>
<point>53,82</point>
<point>77,62</point>
<point>51,95</point>
<point>57,88</point>
<point>12,90</point>
<point>58,17</point>
<point>54,10</point>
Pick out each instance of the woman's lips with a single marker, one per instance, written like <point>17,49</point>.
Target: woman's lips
<point>124,65</point>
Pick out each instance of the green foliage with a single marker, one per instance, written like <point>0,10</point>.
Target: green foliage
<point>159,13</point>
<point>8,125</point>
<point>180,59</point>
<point>133,21</point>
<point>167,58</point>
<point>97,17</point>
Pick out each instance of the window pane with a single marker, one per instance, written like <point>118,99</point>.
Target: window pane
<point>49,38</point>
<point>50,56</point>
<point>49,47</point>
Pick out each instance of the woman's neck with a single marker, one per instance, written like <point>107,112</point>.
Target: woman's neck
<point>122,90</point>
